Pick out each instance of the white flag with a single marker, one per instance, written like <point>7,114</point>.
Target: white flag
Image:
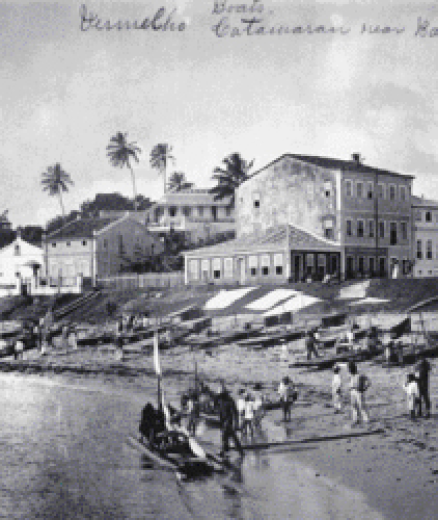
<point>157,355</point>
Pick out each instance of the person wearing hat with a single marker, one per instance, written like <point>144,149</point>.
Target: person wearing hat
<point>287,392</point>
<point>311,345</point>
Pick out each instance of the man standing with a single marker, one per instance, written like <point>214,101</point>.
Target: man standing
<point>359,384</point>
<point>311,345</point>
<point>229,420</point>
<point>422,369</point>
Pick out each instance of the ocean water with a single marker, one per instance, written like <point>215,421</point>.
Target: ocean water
<point>64,455</point>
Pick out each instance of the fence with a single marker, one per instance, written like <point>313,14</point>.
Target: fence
<point>142,281</point>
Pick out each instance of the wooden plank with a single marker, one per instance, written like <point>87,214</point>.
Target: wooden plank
<point>307,440</point>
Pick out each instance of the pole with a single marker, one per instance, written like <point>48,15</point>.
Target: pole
<point>159,392</point>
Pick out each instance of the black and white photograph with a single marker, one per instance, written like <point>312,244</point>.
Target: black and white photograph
<point>219,259</point>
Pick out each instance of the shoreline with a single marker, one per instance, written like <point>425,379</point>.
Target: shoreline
<point>396,471</point>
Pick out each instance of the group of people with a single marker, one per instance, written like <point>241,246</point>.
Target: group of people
<point>416,387</point>
<point>250,406</point>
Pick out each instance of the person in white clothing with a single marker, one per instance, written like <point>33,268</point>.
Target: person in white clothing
<point>248,417</point>
<point>359,384</point>
<point>413,394</point>
<point>241,407</point>
<point>337,389</point>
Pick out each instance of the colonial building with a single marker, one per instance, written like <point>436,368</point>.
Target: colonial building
<point>194,212</point>
<point>425,243</point>
<point>19,262</point>
<point>97,247</point>
<point>362,214</point>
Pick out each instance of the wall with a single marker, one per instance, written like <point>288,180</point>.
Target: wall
<point>289,192</point>
<point>69,257</point>
<point>425,230</point>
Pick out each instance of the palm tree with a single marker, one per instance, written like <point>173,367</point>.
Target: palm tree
<point>120,153</point>
<point>161,155</point>
<point>56,181</point>
<point>228,179</point>
<point>178,182</point>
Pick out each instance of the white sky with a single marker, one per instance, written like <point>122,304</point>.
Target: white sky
<point>64,93</point>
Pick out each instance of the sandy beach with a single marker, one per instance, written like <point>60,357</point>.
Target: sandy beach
<point>394,473</point>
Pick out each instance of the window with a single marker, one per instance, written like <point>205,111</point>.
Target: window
<point>371,230</point>
<point>187,211</point>
<point>381,191</point>
<point>359,190</point>
<point>68,244</point>
<point>393,233</point>
<point>216,268</point>
<point>228,267</point>
<point>360,228</point>
<point>419,249</point>
<point>265,262</point>
<point>172,211</point>
<point>348,188</point>
<point>327,189</point>
<point>428,216</point>
<point>404,230</point>
<point>349,228</point>
<point>228,211</point>
<point>53,244</point>
<point>256,199</point>
<point>278,263</point>
<point>194,269</point>
<point>253,263</point>
<point>328,225</point>
<point>381,229</point>
<point>201,211</point>
<point>429,255</point>
<point>370,190</point>
<point>392,192</point>
<point>361,265</point>
<point>403,193</point>
<point>372,264</point>
<point>84,242</point>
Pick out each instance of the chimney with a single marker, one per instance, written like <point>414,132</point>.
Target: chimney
<point>356,158</point>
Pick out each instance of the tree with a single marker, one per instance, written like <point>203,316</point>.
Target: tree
<point>120,153</point>
<point>178,182</point>
<point>228,179</point>
<point>161,155</point>
<point>56,181</point>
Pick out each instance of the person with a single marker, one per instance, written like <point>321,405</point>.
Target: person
<point>413,394</point>
<point>422,370</point>
<point>337,389</point>
<point>372,339</point>
<point>359,384</point>
<point>287,394</point>
<point>228,418</point>
<point>311,345</point>
<point>73,339</point>
<point>248,417</point>
<point>259,405</point>
<point>241,407</point>
<point>147,422</point>
<point>19,348</point>
<point>64,337</point>
<point>193,411</point>
<point>389,348</point>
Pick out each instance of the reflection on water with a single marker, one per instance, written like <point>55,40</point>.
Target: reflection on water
<point>64,455</point>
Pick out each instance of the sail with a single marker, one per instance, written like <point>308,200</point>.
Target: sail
<point>157,364</point>
<point>401,328</point>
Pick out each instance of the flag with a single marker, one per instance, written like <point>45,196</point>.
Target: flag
<point>157,354</point>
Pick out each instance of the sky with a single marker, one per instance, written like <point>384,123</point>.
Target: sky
<point>212,87</point>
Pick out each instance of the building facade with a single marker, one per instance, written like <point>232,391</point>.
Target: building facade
<point>97,248</point>
<point>363,213</point>
<point>193,212</point>
<point>425,242</point>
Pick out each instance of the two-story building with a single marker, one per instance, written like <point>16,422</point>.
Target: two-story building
<point>340,217</point>
<point>194,212</point>
<point>97,247</point>
<point>425,242</point>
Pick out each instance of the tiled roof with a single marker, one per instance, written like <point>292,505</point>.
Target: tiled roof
<point>82,228</point>
<point>422,202</point>
<point>334,164</point>
<point>191,197</point>
<point>274,239</point>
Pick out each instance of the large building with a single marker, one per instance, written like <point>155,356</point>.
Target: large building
<point>194,212</point>
<point>97,247</point>
<point>362,215</point>
<point>425,242</point>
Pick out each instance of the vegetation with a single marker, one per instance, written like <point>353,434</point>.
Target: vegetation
<point>56,181</point>
<point>231,177</point>
<point>178,182</point>
<point>161,155</point>
<point>120,153</point>
<point>112,202</point>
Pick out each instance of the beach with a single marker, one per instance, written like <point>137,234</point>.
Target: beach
<point>394,472</point>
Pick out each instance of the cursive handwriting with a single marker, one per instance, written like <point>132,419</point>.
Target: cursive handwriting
<point>257,27</point>
<point>160,21</point>
<point>222,7</point>
<point>424,29</point>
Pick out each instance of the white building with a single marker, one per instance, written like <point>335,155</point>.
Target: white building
<point>19,262</point>
<point>425,234</point>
